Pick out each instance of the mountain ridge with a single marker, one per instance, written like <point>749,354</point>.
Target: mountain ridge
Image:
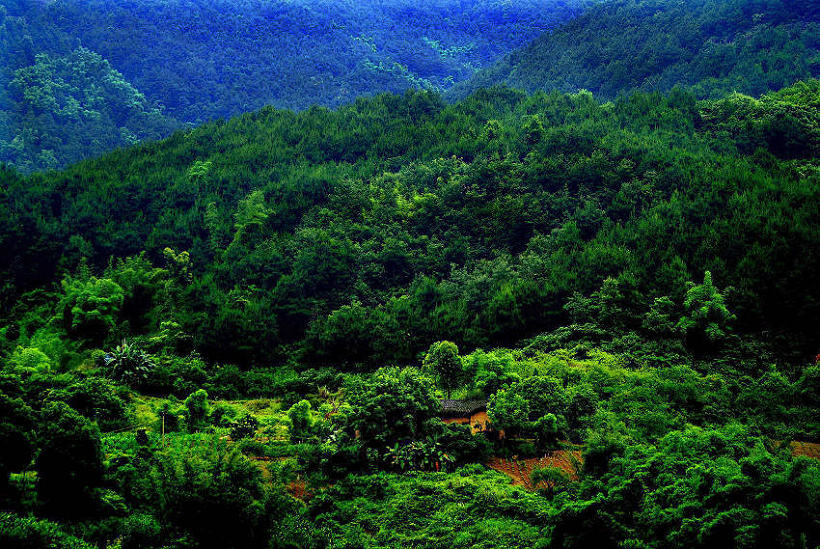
<point>653,45</point>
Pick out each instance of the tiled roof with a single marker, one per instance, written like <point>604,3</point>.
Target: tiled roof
<point>461,408</point>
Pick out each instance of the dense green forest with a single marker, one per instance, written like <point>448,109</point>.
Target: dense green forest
<point>239,336</point>
<point>711,47</point>
<point>82,77</point>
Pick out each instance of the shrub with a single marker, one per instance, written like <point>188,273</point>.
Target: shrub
<point>16,435</point>
<point>300,419</point>
<point>222,415</point>
<point>97,399</point>
<point>70,463</point>
<point>30,359</point>
<point>168,417</point>
<point>196,410</point>
<point>31,533</point>
<point>128,364</point>
<point>244,428</point>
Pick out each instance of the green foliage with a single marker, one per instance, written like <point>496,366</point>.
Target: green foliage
<point>534,405</point>
<point>698,494</point>
<point>244,427</point>
<point>69,463</point>
<point>204,60</point>
<point>128,364</point>
<point>72,106</point>
<point>508,411</point>
<point>360,256</point>
<point>549,479</point>
<point>30,359</point>
<point>197,410</point>
<point>561,227</point>
<point>97,399</point>
<point>209,496</point>
<point>472,507</point>
<point>16,441</point>
<point>443,361</point>
<point>301,419</point>
<point>169,418</point>
<point>424,455</point>
<point>390,406</point>
<point>621,46</point>
<point>547,431</point>
<point>31,533</point>
<point>90,307</point>
<point>705,314</point>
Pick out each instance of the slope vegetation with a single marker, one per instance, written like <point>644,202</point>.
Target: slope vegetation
<point>628,45</point>
<point>183,61</point>
<point>363,234</point>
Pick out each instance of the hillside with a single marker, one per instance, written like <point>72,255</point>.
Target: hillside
<point>150,66</point>
<point>241,336</point>
<point>709,47</point>
<point>360,235</point>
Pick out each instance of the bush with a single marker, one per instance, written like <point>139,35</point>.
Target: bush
<point>196,410</point>
<point>244,428</point>
<point>211,495</point>
<point>128,364</point>
<point>169,418</point>
<point>30,359</point>
<point>179,376</point>
<point>30,533</point>
<point>90,307</point>
<point>222,415</point>
<point>70,463</point>
<point>301,419</point>
<point>97,399</point>
<point>16,437</point>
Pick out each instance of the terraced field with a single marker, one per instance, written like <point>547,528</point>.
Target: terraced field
<point>520,470</point>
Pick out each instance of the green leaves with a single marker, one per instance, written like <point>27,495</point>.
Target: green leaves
<point>390,405</point>
<point>70,107</point>
<point>301,420</point>
<point>90,307</point>
<point>706,319</point>
<point>128,364</point>
<point>443,361</point>
<point>69,463</point>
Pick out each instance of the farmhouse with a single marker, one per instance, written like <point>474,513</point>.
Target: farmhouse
<point>467,412</point>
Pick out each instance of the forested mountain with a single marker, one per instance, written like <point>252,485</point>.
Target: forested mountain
<point>68,108</point>
<point>557,320</point>
<point>712,48</point>
<point>489,221</point>
<point>81,77</point>
<point>199,335</point>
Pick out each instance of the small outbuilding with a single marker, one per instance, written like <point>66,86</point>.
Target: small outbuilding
<point>466,412</point>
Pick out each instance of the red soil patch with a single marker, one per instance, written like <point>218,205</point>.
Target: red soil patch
<point>298,489</point>
<point>519,470</point>
<point>806,449</point>
<point>569,461</point>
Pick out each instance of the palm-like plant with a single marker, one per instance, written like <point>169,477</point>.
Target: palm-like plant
<point>128,364</point>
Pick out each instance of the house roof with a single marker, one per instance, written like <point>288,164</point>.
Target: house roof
<point>460,408</point>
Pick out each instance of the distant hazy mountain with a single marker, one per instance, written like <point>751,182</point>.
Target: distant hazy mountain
<point>627,45</point>
<point>187,61</point>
